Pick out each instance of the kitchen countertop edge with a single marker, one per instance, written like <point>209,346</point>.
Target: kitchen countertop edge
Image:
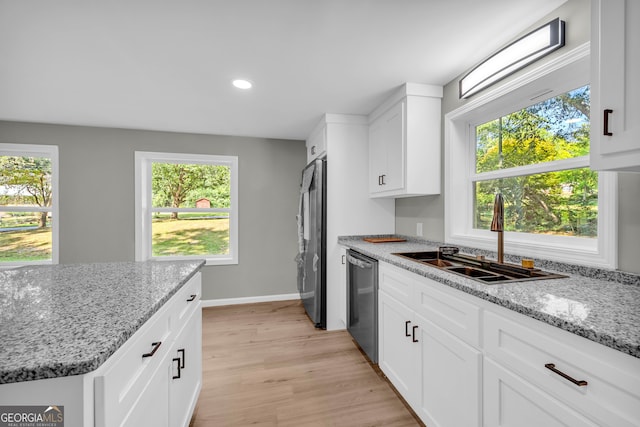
<point>605,334</point>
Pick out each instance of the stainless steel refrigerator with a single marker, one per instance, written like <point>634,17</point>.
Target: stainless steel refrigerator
<point>312,242</point>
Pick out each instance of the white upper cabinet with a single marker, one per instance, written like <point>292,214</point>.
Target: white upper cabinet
<point>615,86</point>
<point>317,143</point>
<point>404,143</point>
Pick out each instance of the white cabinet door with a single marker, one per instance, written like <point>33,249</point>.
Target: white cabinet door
<point>404,143</point>
<point>186,371</point>
<point>151,408</point>
<point>394,140</point>
<point>397,353</point>
<point>510,401</point>
<point>451,372</point>
<point>317,144</point>
<point>343,286</point>
<point>386,145</point>
<point>615,88</point>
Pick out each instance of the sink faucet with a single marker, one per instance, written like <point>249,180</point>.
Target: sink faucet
<point>497,224</point>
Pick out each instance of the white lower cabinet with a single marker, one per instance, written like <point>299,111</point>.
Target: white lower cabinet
<point>397,353</point>
<point>532,367</point>
<point>510,401</point>
<point>151,407</point>
<point>450,372</point>
<point>458,360</point>
<point>436,373</point>
<point>186,372</point>
<point>154,379</point>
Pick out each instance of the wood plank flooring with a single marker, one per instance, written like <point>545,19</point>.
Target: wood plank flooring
<point>266,365</point>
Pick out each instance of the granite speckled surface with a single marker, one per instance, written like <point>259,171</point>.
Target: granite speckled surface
<point>600,305</point>
<point>68,319</point>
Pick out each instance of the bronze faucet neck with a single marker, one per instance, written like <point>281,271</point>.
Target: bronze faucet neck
<point>497,224</point>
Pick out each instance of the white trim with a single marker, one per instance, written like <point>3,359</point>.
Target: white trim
<point>553,166</point>
<point>143,205</point>
<point>248,300</point>
<point>560,74</point>
<point>49,151</point>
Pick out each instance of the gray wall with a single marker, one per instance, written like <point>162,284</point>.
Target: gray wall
<point>97,199</point>
<point>430,209</point>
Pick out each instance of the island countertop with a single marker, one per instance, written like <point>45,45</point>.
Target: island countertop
<point>68,319</point>
<point>600,305</point>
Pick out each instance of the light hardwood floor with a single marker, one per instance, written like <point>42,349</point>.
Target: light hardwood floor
<point>266,365</point>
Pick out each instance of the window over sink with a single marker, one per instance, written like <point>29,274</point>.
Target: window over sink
<point>561,198</point>
<point>186,207</point>
<point>529,140</point>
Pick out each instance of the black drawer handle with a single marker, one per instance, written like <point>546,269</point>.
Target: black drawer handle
<point>156,346</point>
<point>175,377</point>
<point>552,367</point>
<point>414,333</point>
<point>182,358</point>
<point>605,127</point>
<point>191,298</point>
<point>406,328</point>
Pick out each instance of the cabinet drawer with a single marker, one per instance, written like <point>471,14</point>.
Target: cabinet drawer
<point>510,401</point>
<point>186,301</point>
<point>449,311</point>
<point>397,283</point>
<point>131,368</point>
<point>611,395</point>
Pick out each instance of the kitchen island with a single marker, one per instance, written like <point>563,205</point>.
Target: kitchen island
<point>558,351</point>
<point>64,327</point>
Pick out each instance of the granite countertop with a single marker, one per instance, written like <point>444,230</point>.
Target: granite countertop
<point>68,319</point>
<point>600,305</point>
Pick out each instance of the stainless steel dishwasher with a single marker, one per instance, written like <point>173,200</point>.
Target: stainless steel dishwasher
<point>362,302</point>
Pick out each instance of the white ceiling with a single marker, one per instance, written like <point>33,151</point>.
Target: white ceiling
<point>168,65</point>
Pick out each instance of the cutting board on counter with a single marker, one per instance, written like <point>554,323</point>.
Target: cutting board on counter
<point>383,239</point>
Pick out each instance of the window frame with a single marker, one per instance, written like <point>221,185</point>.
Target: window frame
<point>51,152</point>
<point>144,207</point>
<point>561,74</point>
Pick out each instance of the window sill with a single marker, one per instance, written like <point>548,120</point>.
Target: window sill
<point>208,261</point>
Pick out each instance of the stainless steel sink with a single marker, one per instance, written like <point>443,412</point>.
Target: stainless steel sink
<point>485,271</point>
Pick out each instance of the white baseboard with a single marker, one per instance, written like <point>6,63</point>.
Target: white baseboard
<point>248,300</point>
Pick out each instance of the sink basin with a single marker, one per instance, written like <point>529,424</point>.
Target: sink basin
<point>481,270</point>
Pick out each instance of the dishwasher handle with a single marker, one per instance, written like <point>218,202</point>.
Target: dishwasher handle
<point>358,262</point>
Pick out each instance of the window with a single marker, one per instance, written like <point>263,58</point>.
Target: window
<point>28,204</point>
<point>529,140</point>
<point>186,207</point>
<point>559,198</point>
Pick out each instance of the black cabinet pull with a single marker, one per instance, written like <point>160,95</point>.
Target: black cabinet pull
<point>406,328</point>
<point>182,358</point>
<point>382,176</point>
<point>191,298</point>
<point>605,120</point>
<point>156,346</point>
<point>175,377</point>
<point>414,334</point>
<point>552,367</point>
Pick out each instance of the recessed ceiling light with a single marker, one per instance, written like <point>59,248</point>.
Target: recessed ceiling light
<point>242,84</point>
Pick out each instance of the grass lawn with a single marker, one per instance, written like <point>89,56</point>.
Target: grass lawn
<point>25,245</point>
<point>190,236</point>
